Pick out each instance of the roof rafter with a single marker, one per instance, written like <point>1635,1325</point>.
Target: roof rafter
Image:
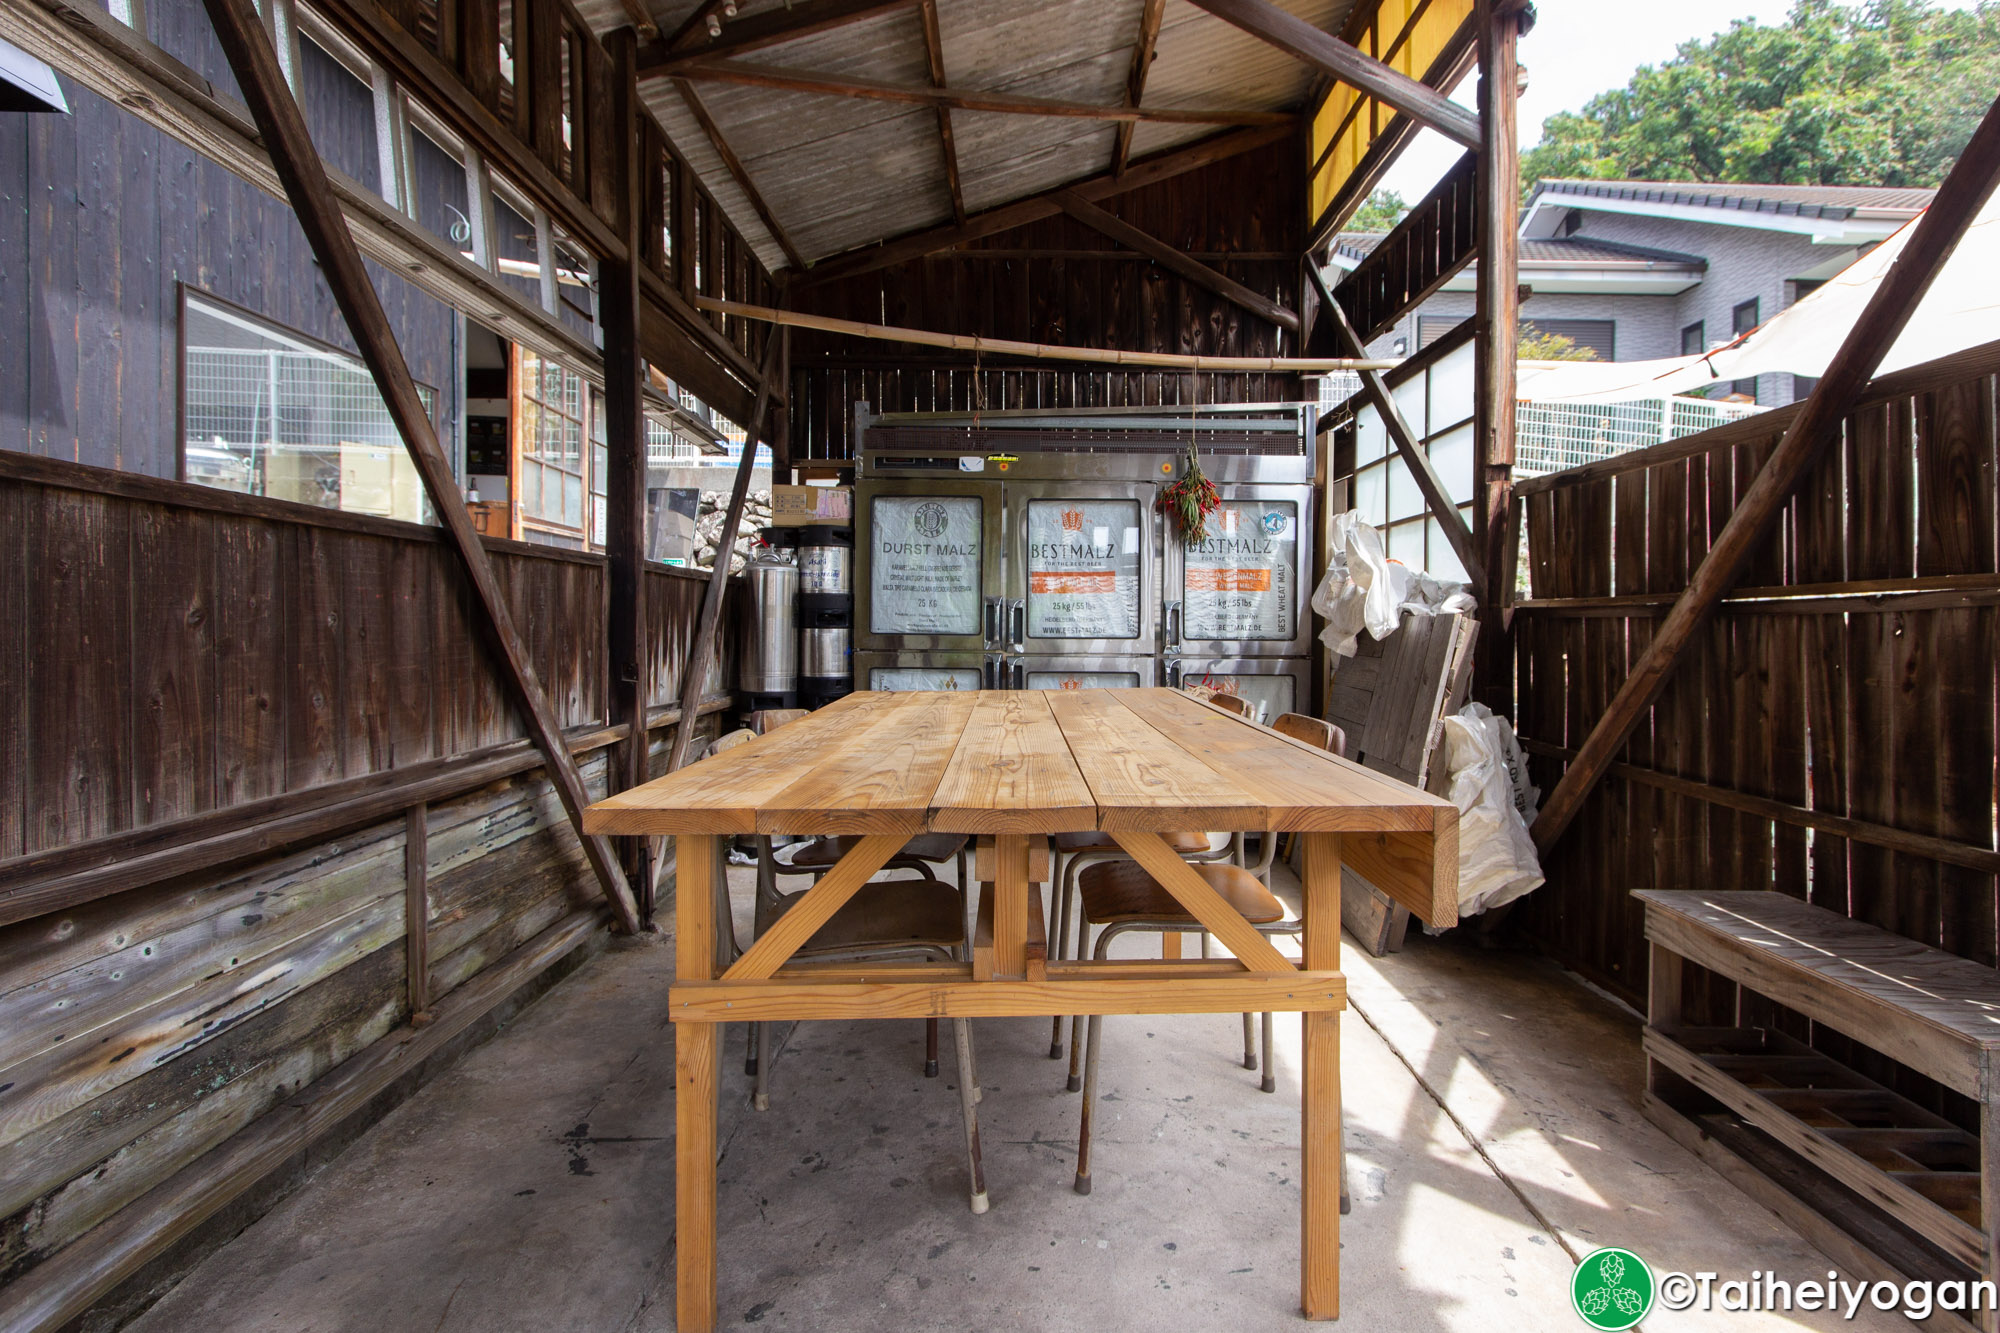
<point>1019,213</point>
<point>1090,215</point>
<point>1349,64</point>
<point>738,170</point>
<point>934,51</point>
<point>757,31</point>
<point>1135,82</point>
<point>804,81</point>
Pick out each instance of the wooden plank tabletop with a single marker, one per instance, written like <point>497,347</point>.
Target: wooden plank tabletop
<point>1032,761</point>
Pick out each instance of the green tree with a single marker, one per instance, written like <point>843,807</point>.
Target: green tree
<point>1384,209</point>
<point>1538,346</point>
<point>1881,93</point>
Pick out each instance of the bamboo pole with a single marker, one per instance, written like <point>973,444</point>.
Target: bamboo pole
<point>972,342</point>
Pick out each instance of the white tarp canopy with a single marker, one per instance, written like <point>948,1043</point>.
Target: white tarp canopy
<point>1961,310</point>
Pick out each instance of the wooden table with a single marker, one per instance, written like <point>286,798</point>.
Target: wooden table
<point>1015,766</point>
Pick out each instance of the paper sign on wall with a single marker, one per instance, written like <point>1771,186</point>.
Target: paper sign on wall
<point>925,567</point>
<point>1240,583</point>
<point>1083,569</point>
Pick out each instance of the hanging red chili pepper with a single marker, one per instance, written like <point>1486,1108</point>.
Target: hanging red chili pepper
<point>1191,499</point>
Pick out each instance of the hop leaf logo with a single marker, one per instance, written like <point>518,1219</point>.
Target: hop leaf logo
<point>1612,1289</point>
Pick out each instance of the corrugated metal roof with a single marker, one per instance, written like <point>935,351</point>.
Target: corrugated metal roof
<point>841,172</point>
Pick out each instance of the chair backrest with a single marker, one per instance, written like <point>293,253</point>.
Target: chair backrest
<point>1312,731</point>
<point>770,719</point>
<point>723,744</point>
<point>1235,703</point>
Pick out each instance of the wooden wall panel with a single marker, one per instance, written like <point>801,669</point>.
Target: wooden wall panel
<point>1802,692</point>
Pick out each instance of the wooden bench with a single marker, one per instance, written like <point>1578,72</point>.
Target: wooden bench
<point>1884,1186</point>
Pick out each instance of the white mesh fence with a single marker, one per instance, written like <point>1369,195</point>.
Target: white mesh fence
<point>1552,436</point>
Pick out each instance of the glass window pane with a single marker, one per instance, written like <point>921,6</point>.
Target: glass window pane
<point>925,564</point>
<point>437,182</point>
<point>1406,543</point>
<point>1371,437</point>
<point>266,412</point>
<point>899,679</point>
<point>1371,494</point>
<point>1443,560</point>
<point>1451,455</point>
<point>1405,500</point>
<point>1239,583</point>
<point>1083,569</point>
<point>340,114</point>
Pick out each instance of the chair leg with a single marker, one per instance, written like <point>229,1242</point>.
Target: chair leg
<point>1096,1033</point>
<point>1249,1042</point>
<point>750,1063</point>
<point>1076,1022</point>
<point>760,1096</point>
<point>1270,1076</point>
<point>1058,939</point>
<point>930,1047</point>
<point>968,1098</point>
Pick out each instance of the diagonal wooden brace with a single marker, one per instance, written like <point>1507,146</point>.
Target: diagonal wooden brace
<point>790,932</point>
<point>1207,906</point>
<point>254,62</point>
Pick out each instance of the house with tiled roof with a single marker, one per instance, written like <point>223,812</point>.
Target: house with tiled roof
<point>1636,270</point>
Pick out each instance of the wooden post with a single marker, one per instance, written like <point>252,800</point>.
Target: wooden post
<point>626,634</point>
<point>417,910</point>
<point>701,649</point>
<point>1960,199</point>
<point>1497,310</point>
<point>283,129</point>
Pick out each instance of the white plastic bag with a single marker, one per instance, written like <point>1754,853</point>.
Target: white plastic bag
<point>1364,589</point>
<point>1496,803</point>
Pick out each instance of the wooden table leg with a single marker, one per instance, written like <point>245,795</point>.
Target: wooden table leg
<point>1319,1193</point>
<point>1010,905</point>
<point>697,1069</point>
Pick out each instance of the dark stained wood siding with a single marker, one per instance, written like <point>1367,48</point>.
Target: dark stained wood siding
<point>101,218</point>
<point>1856,679</point>
<point>1058,281</point>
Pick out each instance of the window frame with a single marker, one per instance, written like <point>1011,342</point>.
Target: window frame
<point>1700,331</point>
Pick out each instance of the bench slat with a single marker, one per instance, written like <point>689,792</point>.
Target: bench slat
<point>1935,1012</point>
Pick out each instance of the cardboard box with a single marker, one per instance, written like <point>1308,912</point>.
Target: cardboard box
<point>802,506</point>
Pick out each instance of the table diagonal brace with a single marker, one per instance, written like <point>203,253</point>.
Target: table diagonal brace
<point>1177,877</point>
<point>789,933</point>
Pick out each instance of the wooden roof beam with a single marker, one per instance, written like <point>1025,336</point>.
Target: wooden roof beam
<point>1123,232</point>
<point>756,31</point>
<point>693,32</point>
<point>1019,213</point>
<point>643,22</point>
<point>1135,82</point>
<point>738,170</point>
<point>1350,65</point>
<point>962,99</point>
<point>1816,428</point>
<point>934,50</point>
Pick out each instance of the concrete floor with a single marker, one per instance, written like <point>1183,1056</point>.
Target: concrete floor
<point>1493,1135</point>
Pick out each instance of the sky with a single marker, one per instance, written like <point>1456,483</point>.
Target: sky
<point>1579,50</point>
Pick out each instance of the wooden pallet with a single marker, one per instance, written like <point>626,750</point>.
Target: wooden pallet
<point>1391,698</point>
<point>1894,1167</point>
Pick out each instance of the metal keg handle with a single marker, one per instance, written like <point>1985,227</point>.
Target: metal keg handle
<point>1172,624</point>
<point>995,614</point>
<point>1018,622</point>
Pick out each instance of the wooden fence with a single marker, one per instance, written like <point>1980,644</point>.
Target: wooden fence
<point>1831,735</point>
<point>261,795</point>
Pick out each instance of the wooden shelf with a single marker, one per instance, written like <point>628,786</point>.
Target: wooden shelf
<point>1913,1165</point>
